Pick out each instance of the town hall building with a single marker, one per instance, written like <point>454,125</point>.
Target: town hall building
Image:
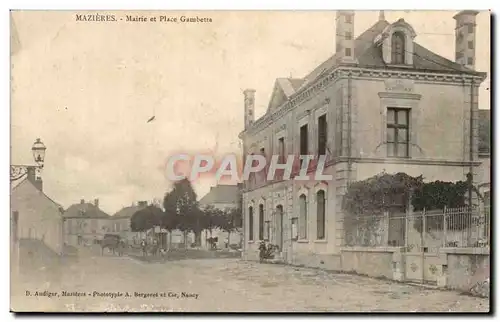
<point>381,103</point>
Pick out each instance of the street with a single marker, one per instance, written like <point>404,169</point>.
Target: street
<point>108,283</point>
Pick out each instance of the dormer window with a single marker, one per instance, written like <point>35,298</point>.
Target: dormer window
<point>398,48</point>
<point>397,44</point>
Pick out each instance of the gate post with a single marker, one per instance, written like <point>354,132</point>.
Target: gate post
<point>445,227</point>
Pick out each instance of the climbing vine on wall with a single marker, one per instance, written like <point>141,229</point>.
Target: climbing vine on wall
<point>439,195</point>
<point>384,192</point>
<point>379,193</point>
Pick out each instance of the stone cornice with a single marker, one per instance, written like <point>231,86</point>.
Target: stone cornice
<point>360,73</point>
<point>408,161</point>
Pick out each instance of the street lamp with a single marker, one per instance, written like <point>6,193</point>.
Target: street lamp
<point>19,171</point>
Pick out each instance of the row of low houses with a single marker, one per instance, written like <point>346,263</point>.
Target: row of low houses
<point>35,216</point>
<point>381,103</point>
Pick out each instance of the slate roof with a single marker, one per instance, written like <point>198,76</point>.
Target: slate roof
<point>127,212</point>
<point>85,210</point>
<point>484,131</point>
<point>290,85</point>
<point>221,194</point>
<point>369,55</point>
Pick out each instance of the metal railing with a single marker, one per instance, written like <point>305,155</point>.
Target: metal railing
<point>450,227</point>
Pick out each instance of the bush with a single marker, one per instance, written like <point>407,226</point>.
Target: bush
<point>391,192</point>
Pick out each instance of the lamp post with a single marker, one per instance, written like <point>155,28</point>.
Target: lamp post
<point>19,171</point>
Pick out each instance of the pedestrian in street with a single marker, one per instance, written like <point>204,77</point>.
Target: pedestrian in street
<point>155,247</point>
<point>226,243</point>
<point>143,246</point>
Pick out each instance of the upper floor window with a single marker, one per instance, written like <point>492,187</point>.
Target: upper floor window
<point>470,28</point>
<point>398,48</point>
<point>304,148</point>
<point>470,44</point>
<point>348,35</point>
<point>397,132</point>
<point>322,135</point>
<point>470,61</point>
<point>348,52</point>
<point>281,150</point>
<point>348,19</point>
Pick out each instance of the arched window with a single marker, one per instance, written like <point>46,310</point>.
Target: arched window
<point>261,222</point>
<point>279,227</point>
<point>398,48</point>
<point>250,223</point>
<point>320,215</point>
<point>303,217</point>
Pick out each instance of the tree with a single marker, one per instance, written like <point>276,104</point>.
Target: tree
<point>211,218</point>
<point>168,221</point>
<point>181,203</point>
<point>145,219</point>
<point>229,221</point>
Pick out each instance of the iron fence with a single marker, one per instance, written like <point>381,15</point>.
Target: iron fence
<point>450,227</point>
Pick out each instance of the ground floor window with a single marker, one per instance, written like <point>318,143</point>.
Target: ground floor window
<point>320,216</point>
<point>250,223</point>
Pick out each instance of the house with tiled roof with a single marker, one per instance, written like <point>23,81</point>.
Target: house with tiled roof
<point>120,222</point>
<point>85,223</point>
<point>222,197</point>
<point>225,198</point>
<point>381,103</point>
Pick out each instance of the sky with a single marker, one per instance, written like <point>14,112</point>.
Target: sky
<point>88,88</point>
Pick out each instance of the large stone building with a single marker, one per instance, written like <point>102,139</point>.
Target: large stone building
<point>85,224</point>
<point>382,102</point>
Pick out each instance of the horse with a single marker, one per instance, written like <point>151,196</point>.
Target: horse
<point>113,243</point>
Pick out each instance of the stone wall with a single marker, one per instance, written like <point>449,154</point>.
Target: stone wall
<point>466,267</point>
<point>376,262</point>
<point>462,269</point>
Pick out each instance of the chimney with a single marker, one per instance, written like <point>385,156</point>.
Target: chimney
<point>345,37</point>
<point>96,202</point>
<point>381,15</point>
<point>249,95</point>
<point>82,201</point>
<point>465,38</point>
<point>35,178</point>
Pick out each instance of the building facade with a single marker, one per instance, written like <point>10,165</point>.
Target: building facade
<point>484,179</point>
<point>381,103</point>
<point>120,222</point>
<point>85,224</point>
<point>35,216</point>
